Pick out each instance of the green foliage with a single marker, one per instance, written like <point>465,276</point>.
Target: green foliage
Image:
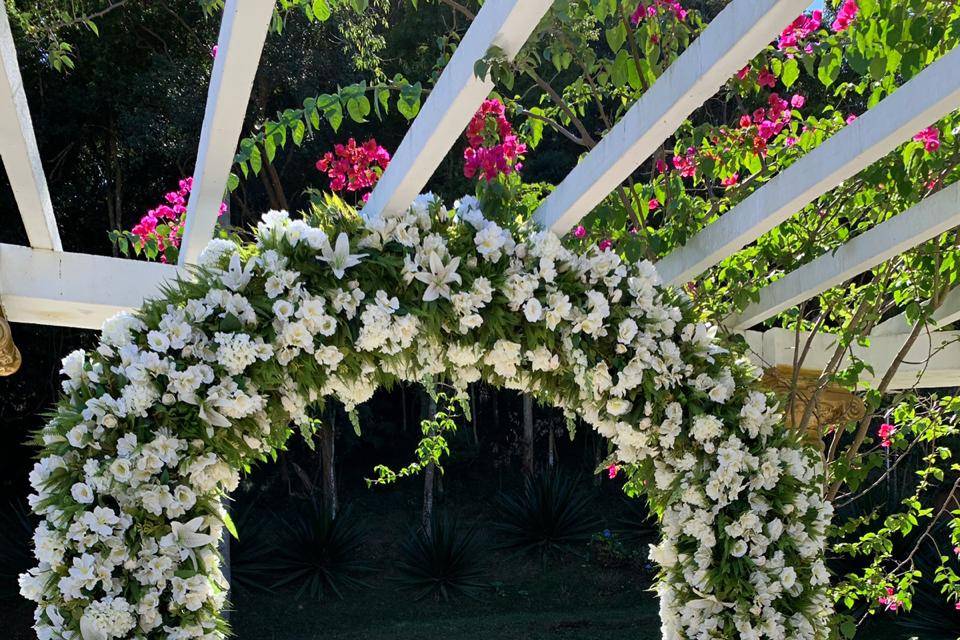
<point>432,447</point>
<point>321,553</point>
<point>550,513</point>
<point>446,562</point>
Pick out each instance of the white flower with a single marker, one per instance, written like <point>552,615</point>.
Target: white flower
<point>618,406</point>
<point>82,493</point>
<point>533,310</point>
<point>158,341</point>
<point>187,534</point>
<point>739,549</point>
<point>340,259</point>
<point>439,278</point>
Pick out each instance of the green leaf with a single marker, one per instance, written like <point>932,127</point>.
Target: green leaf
<point>298,130</point>
<point>408,104</point>
<point>229,524</point>
<point>233,181</point>
<point>321,10</point>
<point>616,36</point>
<point>829,69</point>
<point>256,162</point>
<point>790,73</point>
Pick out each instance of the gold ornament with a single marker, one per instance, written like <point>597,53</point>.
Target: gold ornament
<point>835,405</point>
<point>9,354</point>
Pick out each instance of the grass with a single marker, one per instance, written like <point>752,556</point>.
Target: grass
<point>572,600</point>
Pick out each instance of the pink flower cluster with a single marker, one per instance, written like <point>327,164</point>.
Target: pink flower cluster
<point>493,148</point>
<point>890,601</point>
<point>169,214</point>
<point>352,167</point>
<point>845,16</point>
<point>770,122</point>
<point>687,163</point>
<point>886,433</point>
<point>930,137</point>
<point>799,30</point>
<point>644,11</point>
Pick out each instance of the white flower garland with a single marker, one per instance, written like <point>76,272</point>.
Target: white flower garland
<point>155,425</point>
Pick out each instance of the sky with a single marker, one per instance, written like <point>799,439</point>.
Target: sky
<point>817,4</point>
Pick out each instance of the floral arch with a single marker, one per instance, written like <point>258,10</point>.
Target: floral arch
<point>156,424</point>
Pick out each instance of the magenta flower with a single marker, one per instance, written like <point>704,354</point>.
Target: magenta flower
<point>930,137</point>
<point>845,16</point>
<point>890,601</point>
<point>799,30</point>
<point>797,101</point>
<point>886,432</point>
<point>612,471</point>
<point>605,245</point>
<point>352,167</point>
<point>494,148</point>
<point>164,223</point>
<point>653,205</point>
<point>580,231</point>
<point>766,79</point>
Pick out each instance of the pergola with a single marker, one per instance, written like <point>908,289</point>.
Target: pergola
<point>43,284</point>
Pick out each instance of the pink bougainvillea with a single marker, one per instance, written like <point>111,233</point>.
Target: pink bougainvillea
<point>886,433</point>
<point>845,16</point>
<point>687,163</point>
<point>800,30</point>
<point>352,167</point>
<point>580,231</point>
<point>493,148</point>
<point>644,10</point>
<point>164,223</point>
<point>930,137</point>
<point>890,601</point>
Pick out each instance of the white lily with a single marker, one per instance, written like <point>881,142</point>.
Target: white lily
<point>439,277</point>
<point>237,277</point>
<point>340,259</point>
<point>188,535</point>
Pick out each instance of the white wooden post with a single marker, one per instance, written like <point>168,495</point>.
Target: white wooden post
<point>18,148</point>
<point>242,34</point>
<point>75,289</point>
<point>926,98</point>
<point>735,36</point>
<point>452,102</point>
<point>926,220</point>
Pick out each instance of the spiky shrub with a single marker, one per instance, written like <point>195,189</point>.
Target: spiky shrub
<point>252,554</point>
<point>550,513</point>
<point>321,553</point>
<point>16,555</point>
<point>444,563</point>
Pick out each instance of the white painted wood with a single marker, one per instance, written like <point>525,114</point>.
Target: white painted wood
<point>947,313</point>
<point>18,149</point>
<point>242,34</point>
<point>38,286</point>
<point>452,102</point>
<point>943,369</point>
<point>926,220</point>
<point>926,98</point>
<point>731,40</point>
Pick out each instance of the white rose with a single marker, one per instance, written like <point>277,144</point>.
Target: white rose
<point>82,493</point>
<point>533,310</point>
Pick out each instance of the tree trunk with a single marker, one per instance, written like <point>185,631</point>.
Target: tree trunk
<point>328,437</point>
<point>528,434</point>
<point>551,447</point>
<point>429,477</point>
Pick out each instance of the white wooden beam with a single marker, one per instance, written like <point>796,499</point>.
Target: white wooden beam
<point>924,221</point>
<point>243,31</point>
<point>731,40</point>
<point>452,102</point>
<point>38,286</point>
<point>940,348</point>
<point>18,149</point>
<point>947,313</point>
<point>926,98</point>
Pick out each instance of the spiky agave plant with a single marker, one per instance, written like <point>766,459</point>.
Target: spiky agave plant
<point>444,562</point>
<point>322,553</point>
<point>549,513</point>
